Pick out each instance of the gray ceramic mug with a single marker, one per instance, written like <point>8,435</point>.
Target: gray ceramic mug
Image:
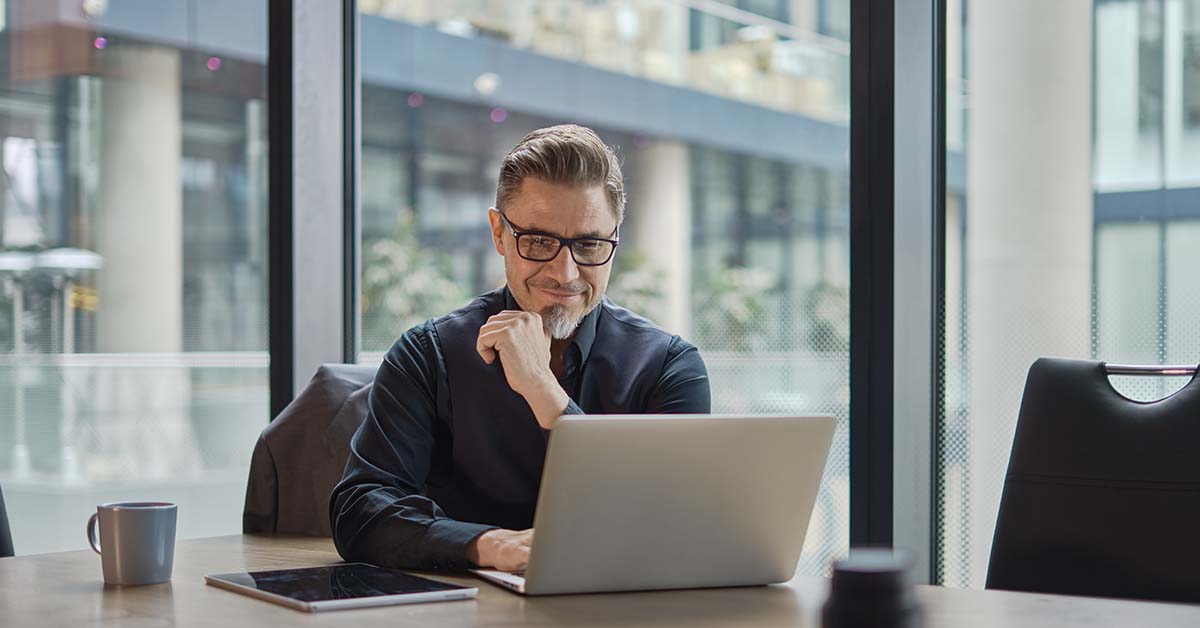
<point>136,541</point>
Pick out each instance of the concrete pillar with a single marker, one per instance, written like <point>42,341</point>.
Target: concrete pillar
<point>659,221</point>
<point>1029,220</point>
<point>140,202</point>
<point>803,13</point>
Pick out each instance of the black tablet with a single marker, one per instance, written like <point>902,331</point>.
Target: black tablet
<point>332,587</point>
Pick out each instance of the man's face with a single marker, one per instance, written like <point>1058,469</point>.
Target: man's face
<point>562,291</point>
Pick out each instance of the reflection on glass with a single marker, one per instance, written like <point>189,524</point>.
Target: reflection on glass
<point>336,582</point>
<point>739,245</point>
<point>133,357</point>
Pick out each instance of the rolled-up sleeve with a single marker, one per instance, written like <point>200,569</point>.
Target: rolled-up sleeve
<point>378,512</point>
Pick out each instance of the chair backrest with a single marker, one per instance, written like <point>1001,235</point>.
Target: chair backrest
<point>301,455</point>
<point>1102,495</point>
<point>6,546</point>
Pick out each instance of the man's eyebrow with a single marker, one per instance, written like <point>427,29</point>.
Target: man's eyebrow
<point>535,228</point>
<point>593,234</point>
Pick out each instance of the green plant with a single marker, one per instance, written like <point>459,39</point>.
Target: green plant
<point>730,308</point>
<point>827,307</point>
<point>636,284</point>
<point>404,284</point>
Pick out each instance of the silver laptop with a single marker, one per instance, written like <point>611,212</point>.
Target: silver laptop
<point>672,501</point>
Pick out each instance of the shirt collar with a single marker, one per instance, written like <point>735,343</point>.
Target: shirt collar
<point>585,334</point>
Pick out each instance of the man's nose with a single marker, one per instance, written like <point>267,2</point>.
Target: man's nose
<point>563,268</point>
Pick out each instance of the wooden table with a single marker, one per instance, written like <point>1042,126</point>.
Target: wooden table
<point>66,589</point>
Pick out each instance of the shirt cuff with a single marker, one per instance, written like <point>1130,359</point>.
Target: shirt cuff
<point>572,408</point>
<point>448,540</point>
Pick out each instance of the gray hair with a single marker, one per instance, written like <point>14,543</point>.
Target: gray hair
<point>565,154</point>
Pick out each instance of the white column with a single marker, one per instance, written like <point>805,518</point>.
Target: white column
<point>1029,218</point>
<point>139,202</point>
<point>664,44</point>
<point>803,13</point>
<point>660,219</point>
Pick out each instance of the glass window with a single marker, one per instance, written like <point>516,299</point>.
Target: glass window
<point>1049,251</point>
<point>754,267</point>
<point>1191,63</point>
<point>1129,94</point>
<point>1182,77</point>
<point>1183,295</point>
<point>133,323</point>
<point>1150,65</point>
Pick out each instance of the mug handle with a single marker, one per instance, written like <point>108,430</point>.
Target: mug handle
<point>92,537</point>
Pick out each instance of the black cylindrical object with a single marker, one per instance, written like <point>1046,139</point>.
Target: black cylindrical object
<point>871,589</point>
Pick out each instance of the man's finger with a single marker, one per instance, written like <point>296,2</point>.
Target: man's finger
<point>497,339</point>
<point>485,345</point>
<point>504,316</point>
<point>496,322</point>
<point>492,343</point>
<point>495,325</point>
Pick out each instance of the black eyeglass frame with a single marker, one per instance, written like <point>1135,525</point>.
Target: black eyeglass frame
<point>569,243</point>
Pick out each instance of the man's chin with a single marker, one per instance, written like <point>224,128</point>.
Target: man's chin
<point>560,321</point>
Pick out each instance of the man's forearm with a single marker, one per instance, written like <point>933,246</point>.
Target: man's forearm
<point>409,537</point>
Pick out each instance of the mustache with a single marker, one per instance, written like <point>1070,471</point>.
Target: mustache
<point>577,287</point>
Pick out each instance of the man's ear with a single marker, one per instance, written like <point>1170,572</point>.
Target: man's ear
<point>497,226</point>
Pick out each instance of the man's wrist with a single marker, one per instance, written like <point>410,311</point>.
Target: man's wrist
<point>548,402</point>
<point>477,552</point>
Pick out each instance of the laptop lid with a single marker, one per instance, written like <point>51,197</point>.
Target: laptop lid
<point>675,501</point>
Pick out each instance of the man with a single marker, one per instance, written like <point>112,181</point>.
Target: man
<point>444,472</point>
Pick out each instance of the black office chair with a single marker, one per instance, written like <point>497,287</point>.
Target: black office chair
<point>6,546</point>
<point>301,455</point>
<point>1102,495</point>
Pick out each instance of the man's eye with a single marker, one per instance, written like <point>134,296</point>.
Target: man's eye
<point>587,245</point>
<point>540,241</point>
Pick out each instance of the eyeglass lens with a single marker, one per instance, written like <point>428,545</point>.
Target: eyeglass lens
<point>541,248</point>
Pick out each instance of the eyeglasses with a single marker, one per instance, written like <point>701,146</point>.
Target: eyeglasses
<point>536,246</point>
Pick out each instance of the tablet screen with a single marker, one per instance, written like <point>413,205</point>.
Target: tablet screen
<point>335,582</point>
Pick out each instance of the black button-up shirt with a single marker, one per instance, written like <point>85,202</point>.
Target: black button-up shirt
<point>438,462</point>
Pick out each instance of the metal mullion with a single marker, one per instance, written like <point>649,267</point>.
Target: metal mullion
<point>319,187</point>
<point>938,370</point>
<point>280,313</point>
<point>872,124</point>
<point>351,158</point>
<point>307,228</point>
<point>919,219</point>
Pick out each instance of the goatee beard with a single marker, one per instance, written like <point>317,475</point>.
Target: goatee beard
<point>558,322</point>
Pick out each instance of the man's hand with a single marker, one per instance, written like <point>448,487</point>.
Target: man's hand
<point>506,550</point>
<point>523,346</point>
